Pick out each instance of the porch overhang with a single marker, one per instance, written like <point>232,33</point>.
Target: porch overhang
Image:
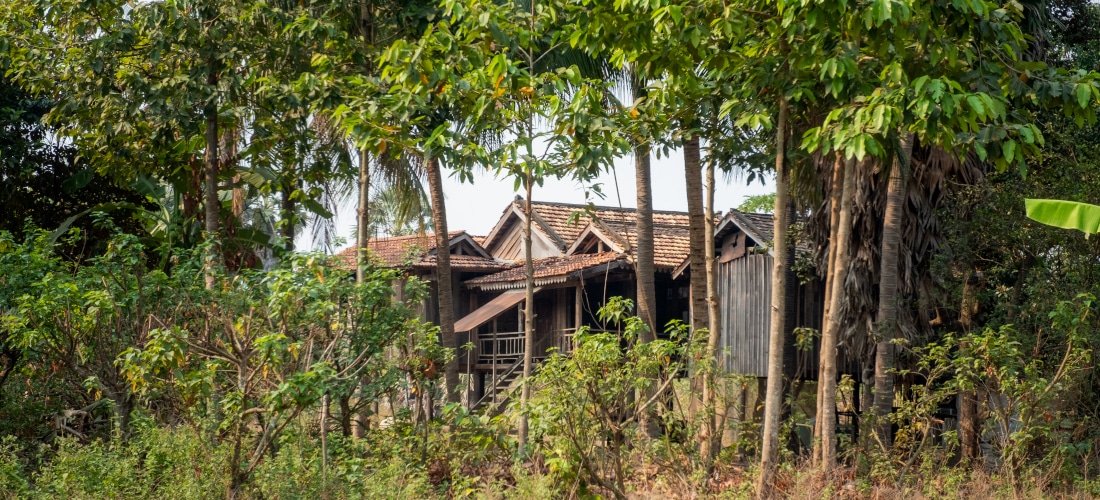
<point>490,310</point>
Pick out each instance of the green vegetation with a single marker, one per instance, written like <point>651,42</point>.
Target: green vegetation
<point>161,337</point>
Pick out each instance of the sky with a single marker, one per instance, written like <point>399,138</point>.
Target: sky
<point>476,207</point>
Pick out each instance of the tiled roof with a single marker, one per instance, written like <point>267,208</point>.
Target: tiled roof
<point>550,269</point>
<point>415,250</point>
<point>467,262</point>
<point>556,216</point>
<point>673,243</point>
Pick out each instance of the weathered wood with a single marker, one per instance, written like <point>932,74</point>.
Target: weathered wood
<point>744,294</point>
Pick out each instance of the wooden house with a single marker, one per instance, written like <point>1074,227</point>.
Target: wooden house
<point>582,257</point>
<point>745,259</point>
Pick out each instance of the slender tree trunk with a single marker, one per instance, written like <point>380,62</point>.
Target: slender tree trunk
<point>697,227</point>
<point>887,319</point>
<point>710,387</point>
<point>838,273</point>
<point>968,403</point>
<point>528,312</point>
<point>835,190</point>
<point>443,273</point>
<point>362,233</point>
<point>212,202</point>
<point>288,208</point>
<point>360,422</point>
<point>324,436</point>
<point>774,399</point>
<point>714,316</point>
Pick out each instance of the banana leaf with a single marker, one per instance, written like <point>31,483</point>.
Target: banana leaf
<point>1065,214</point>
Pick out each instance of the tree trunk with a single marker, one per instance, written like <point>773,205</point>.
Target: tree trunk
<point>288,210</point>
<point>362,233</point>
<point>827,378</point>
<point>212,202</point>
<point>968,403</point>
<point>360,422</point>
<point>697,227</point>
<point>643,258</point>
<point>443,274</point>
<point>714,316</point>
<point>710,391</point>
<point>835,195</point>
<point>774,400</point>
<point>644,267</point>
<point>887,318</point>
<point>528,312</point>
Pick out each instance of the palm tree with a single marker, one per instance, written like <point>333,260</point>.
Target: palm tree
<point>887,321</point>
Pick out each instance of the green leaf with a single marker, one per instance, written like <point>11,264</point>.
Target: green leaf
<point>147,186</point>
<point>1009,150</point>
<point>316,208</point>
<point>1084,91</point>
<point>78,181</point>
<point>1065,214</point>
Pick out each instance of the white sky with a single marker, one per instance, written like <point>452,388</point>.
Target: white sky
<point>476,207</point>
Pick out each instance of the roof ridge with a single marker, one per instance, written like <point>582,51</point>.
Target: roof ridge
<point>603,207</point>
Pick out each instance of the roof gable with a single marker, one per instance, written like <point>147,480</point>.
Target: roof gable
<point>593,234</point>
<point>759,227</point>
<point>514,214</point>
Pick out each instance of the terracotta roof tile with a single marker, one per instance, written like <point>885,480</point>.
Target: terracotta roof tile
<point>557,217</point>
<point>401,251</point>
<point>467,263</point>
<point>550,267</point>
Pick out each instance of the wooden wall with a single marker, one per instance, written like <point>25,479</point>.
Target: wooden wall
<point>744,294</point>
<point>744,299</point>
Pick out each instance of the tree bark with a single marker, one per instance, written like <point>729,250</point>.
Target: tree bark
<point>288,210</point>
<point>644,267</point>
<point>528,312</point>
<point>774,399</point>
<point>887,327</point>
<point>697,280</point>
<point>443,274</point>
<point>714,316</point>
<point>362,232</point>
<point>968,403</point>
<point>710,391</point>
<point>360,422</point>
<point>210,163</point>
<point>643,259</point>
<point>835,190</point>
<point>697,227</point>
<point>838,274</point>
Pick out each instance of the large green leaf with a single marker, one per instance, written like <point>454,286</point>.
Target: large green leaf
<point>1065,214</point>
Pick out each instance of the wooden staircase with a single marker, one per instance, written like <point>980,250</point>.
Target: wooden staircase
<point>501,388</point>
<point>499,391</point>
